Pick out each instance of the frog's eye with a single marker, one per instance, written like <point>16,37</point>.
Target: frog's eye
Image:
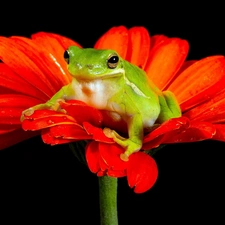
<point>112,61</point>
<point>67,56</point>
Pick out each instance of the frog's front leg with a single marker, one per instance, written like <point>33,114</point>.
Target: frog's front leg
<point>48,105</point>
<point>52,104</point>
<point>135,131</point>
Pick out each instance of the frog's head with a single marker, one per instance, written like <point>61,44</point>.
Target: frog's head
<point>89,63</point>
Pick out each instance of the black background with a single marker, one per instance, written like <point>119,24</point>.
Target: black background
<point>47,184</point>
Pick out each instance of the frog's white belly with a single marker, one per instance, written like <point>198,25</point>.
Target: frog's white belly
<point>95,93</point>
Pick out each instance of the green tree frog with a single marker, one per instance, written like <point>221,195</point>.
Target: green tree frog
<point>102,79</point>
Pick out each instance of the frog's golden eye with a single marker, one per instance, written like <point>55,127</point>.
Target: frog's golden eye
<point>112,61</point>
<point>67,56</point>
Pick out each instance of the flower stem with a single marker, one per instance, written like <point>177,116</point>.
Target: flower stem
<point>108,200</point>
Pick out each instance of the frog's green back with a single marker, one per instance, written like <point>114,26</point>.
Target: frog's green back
<point>137,76</point>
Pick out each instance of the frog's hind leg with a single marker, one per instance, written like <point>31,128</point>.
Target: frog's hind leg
<point>131,144</point>
<point>169,107</point>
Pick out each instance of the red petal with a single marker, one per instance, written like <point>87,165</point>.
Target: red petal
<point>196,132</point>
<point>56,45</point>
<point>97,133</point>
<point>101,173</point>
<point>116,38</point>
<point>154,138</point>
<point>41,119</point>
<point>158,39</point>
<point>220,132</point>
<point>81,112</point>
<point>69,131</point>
<point>12,54</point>
<point>7,128</point>
<point>92,156</point>
<point>15,84</point>
<point>64,41</point>
<point>48,138</point>
<point>48,64</point>
<point>103,166</point>
<point>185,65</point>
<point>110,153</point>
<point>50,42</point>
<point>116,173</point>
<point>12,105</point>
<point>165,60</point>
<point>199,82</point>
<point>139,46</point>
<point>13,137</point>
<point>64,133</point>
<point>212,111</point>
<point>142,172</point>
<point>156,142</point>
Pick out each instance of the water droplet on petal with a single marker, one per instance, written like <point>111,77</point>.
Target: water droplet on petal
<point>50,122</point>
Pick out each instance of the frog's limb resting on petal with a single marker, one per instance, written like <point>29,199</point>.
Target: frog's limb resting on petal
<point>135,135</point>
<point>55,106</point>
<point>129,144</point>
<point>52,104</point>
<point>169,109</point>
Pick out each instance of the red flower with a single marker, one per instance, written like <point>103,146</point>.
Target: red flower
<point>34,69</point>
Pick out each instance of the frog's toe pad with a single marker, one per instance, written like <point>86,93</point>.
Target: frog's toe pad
<point>108,132</point>
<point>124,157</point>
<point>57,107</point>
<point>28,112</point>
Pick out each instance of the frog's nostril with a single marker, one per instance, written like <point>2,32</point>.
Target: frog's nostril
<point>89,66</point>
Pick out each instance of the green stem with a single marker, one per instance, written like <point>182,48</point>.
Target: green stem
<point>108,200</point>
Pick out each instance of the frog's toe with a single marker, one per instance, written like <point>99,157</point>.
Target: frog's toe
<point>57,107</point>
<point>129,145</point>
<point>113,134</point>
<point>132,147</point>
<point>124,157</point>
<point>108,132</point>
<point>28,112</point>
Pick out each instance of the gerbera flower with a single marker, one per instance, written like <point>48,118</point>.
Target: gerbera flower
<point>34,69</point>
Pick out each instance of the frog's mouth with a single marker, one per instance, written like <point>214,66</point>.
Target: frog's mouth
<point>110,75</point>
<point>113,74</point>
